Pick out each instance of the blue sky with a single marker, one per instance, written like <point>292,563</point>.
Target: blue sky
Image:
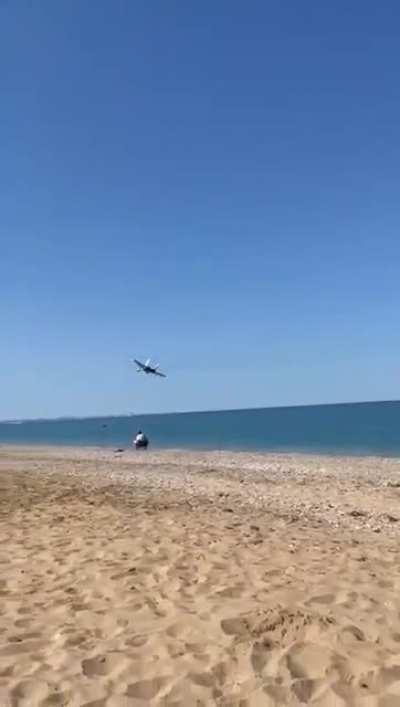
<point>214,185</point>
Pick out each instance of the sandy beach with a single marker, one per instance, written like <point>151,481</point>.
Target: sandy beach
<point>177,578</point>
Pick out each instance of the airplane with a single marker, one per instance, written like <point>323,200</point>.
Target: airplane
<point>148,368</point>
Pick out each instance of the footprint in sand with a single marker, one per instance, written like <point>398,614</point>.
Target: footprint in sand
<point>378,681</point>
<point>259,656</point>
<point>216,676</point>
<point>29,692</point>
<point>146,689</point>
<point>136,641</point>
<point>23,637</point>
<point>23,647</point>
<point>308,660</point>
<point>236,626</point>
<point>111,664</point>
<point>305,689</point>
<point>58,699</point>
<point>234,592</point>
<point>77,640</point>
<point>352,634</point>
<point>277,693</point>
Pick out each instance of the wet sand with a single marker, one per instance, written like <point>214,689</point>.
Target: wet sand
<point>178,578</point>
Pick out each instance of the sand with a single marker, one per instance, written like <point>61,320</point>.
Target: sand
<point>178,578</point>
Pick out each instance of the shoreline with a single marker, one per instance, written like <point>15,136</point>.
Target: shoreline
<point>308,454</point>
<point>176,578</point>
<point>351,429</point>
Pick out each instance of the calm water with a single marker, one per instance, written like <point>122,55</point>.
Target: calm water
<point>362,428</point>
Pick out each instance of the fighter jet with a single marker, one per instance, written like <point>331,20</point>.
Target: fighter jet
<point>148,368</point>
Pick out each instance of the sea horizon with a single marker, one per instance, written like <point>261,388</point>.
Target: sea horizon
<point>106,416</point>
<point>358,428</point>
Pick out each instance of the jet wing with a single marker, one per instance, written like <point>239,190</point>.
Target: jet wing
<point>138,363</point>
<point>158,373</point>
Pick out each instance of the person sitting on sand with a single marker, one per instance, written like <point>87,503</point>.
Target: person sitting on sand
<point>140,440</point>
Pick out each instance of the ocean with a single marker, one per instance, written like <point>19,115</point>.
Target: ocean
<point>355,429</point>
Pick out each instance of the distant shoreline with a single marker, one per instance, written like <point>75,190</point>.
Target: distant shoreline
<point>72,418</point>
<point>337,429</point>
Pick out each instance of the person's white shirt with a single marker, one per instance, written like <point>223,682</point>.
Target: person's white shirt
<point>139,437</point>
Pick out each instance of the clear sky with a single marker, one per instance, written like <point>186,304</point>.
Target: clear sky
<point>215,185</point>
